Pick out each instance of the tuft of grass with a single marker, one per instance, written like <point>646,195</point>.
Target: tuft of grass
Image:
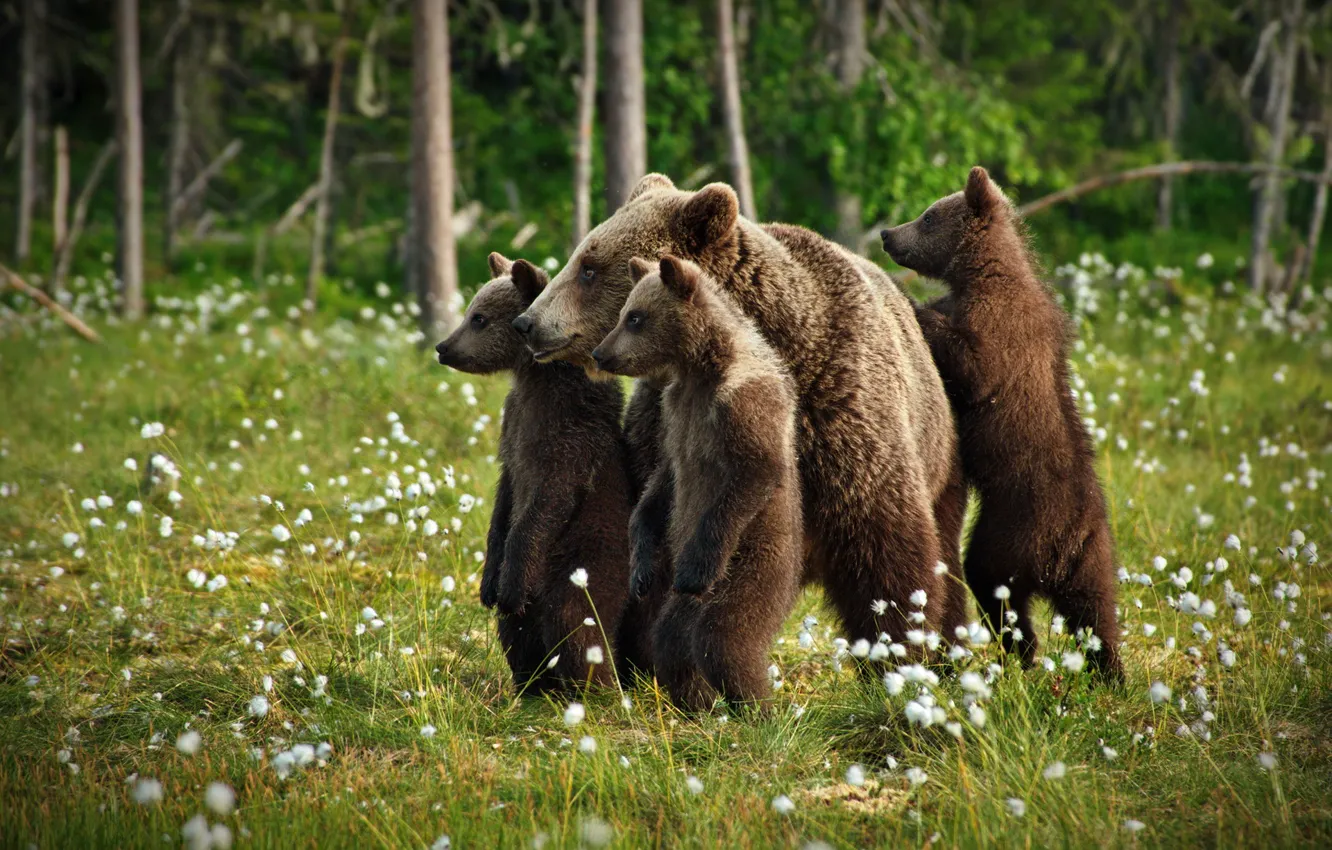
<point>1212,417</point>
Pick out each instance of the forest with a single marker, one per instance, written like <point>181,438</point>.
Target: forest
<point>245,512</point>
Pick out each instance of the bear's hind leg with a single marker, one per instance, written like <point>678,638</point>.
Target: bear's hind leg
<point>1087,601</point>
<point>673,654</point>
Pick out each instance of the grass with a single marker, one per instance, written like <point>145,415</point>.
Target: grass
<point>109,651</point>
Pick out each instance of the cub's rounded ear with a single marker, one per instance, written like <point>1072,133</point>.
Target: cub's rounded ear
<point>499,264</point>
<point>648,182</point>
<point>709,215</point>
<point>680,277</point>
<point>639,268</point>
<point>981,194</point>
<point>528,280</point>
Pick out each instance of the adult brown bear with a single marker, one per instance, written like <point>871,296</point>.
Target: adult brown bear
<point>875,434</point>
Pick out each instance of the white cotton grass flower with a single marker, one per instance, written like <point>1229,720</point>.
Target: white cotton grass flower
<point>428,731</point>
<point>694,784</point>
<point>189,742</point>
<point>855,775</point>
<point>1055,770</point>
<point>1074,661</point>
<point>1160,692</point>
<point>147,792</point>
<point>595,655</point>
<point>1002,593</point>
<point>574,714</point>
<point>1016,807</point>
<point>595,832</point>
<point>258,706</point>
<point>587,745</point>
<point>578,578</point>
<point>220,798</point>
<point>1268,761</point>
<point>918,598</point>
<point>134,506</point>
<point>783,805</point>
<point>916,776</point>
<point>152,430</point>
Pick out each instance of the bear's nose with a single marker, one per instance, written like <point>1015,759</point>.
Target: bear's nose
<point>522,324</point>
<point>442,348</point>
<point>883,234</point>
<point>596,355</point>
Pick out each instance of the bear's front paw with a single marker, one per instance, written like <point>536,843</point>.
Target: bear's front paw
<point>490,586</point>
<point>694,573</point>
<point>642,571</point>
<point>511,599</point>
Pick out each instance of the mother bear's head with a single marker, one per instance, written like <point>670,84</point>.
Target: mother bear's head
<point>582,304</point>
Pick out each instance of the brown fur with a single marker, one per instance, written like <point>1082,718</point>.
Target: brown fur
<point>726,501</point>
<point>873,430</point>
<point>1001,342</point>
<point>551,515</point>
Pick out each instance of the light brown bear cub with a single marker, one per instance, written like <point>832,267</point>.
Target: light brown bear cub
<point>727,497</point>
<point>1001,344</point>
<point>563,499</point>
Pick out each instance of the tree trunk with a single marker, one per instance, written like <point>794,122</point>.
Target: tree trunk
<point>1319,215</point>
<point>66,255</point>
<point>1280,93</point>
<point>1172,106</point>
<point>319,238</point>
<point>432,166</point>
<point>34,20</point>
<point>626,108</point>
<point>735,125</point>
<point>587,105</point>
<point>60,199</point>
<point>850,52</point>
<point>182,63</point>
<point>129,133</point>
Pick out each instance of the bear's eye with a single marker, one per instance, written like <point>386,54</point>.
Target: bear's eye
<point>586,273</point>
<point>927,219</point>
<point>478,322</point>
<point>634,321</point>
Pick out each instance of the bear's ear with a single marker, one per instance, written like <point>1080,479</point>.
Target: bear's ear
<point>680,277</point>
<point>709,215</point>
<point>499,264</point>
<point>649,182</point>
<point>639,268</point>
<point>527,279</point>
<point>983,197</point>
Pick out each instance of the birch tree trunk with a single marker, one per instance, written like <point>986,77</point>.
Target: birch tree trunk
<point>1280,92</point>
<point>129,135</point>
<point>850,55</point>
<point>60,197</point>
<point>587,105</point>
<point>319,239</point>
<point>735,126</point>
<point>1172,106</point>
<point>34,20</point>
<point>626,109</point>
<point>182,64</point>
<point>1319,215</point>
<point>432,164</point>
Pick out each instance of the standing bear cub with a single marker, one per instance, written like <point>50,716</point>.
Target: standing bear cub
<point>563,499</point>
<point>726,497</point>
<point>1000,342</point>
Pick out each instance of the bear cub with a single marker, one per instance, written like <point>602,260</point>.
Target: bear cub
<point>563,499</point>
<point>726,498</point>
<point>1000,342</point>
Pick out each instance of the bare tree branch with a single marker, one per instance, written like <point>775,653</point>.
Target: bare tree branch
<point>1169,169</point>
<point>200,181</point>
<point>45,300</point>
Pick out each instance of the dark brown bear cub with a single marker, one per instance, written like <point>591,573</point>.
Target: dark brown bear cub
<point>726,499</point>
<point>563,500</point>
<point>1001,344</point>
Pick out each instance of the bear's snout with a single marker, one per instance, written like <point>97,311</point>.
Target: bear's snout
<point>523,324</point>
